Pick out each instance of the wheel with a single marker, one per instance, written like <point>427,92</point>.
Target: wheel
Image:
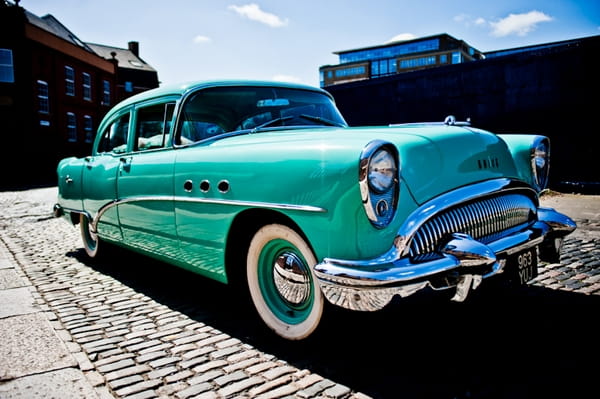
<point>281,281</point>
<point>89,238</point>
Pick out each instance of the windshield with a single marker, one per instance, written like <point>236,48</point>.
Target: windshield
<point>218,110</point>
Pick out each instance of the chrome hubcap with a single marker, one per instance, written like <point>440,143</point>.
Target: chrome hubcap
<point>291,277</point>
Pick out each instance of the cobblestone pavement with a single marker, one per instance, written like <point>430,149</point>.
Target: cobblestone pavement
<point>129,345</point>
<point>139,329</point>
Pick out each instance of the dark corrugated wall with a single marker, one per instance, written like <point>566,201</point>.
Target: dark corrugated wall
<point>553,92</point>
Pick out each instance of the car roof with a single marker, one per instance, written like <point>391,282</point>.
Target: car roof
<point>179,89</point>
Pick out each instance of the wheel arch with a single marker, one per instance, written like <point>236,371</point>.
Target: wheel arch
<point>242,229</point>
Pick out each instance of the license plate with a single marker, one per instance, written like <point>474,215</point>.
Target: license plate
<point>522,266</point>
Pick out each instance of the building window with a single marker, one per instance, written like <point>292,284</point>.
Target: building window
<point>393,66</point>
<point>7,72</point>
<point>42,95</point>
<point>443,59</point>
<point>128,87</point>
<point>351,71</point>
<point>375,68</point>
<point>390,51</point>
<point>88,128</point>
<point>456,58</point>
<point>417,62</point>
<point>69,81</point>
<point>383,67</point>
<point>105,92</point>
<point>71,127</point>
<point>87,87</point>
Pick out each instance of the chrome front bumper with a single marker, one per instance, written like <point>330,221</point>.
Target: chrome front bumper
<point>370,285</point>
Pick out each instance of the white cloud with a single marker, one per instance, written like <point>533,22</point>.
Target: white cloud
<point>402,37</point>
<point>287,78</point>
<point>468,21</point>
<point>519,24</point>
<point>461,17</point>
<point>202,39</point>
<point>253,12</point>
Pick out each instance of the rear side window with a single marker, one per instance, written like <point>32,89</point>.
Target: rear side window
<point>114,137</point>
<point>153,124</point>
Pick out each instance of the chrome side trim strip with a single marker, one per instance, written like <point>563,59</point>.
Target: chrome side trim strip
<point>251,204</point>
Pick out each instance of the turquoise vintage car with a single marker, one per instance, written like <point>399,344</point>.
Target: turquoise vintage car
<point>264,183</point>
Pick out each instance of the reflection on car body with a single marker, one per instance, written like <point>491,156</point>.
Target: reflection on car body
<point>264,183</point>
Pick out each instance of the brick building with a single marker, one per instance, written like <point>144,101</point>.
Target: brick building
<point>54,91</point>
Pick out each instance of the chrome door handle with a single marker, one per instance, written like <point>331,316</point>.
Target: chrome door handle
<point>126,161</point>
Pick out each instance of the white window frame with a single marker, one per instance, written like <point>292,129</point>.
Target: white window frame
<point>105,92</point>
<point>43,97</point>
<point>88,128</point>
<point>69,81</point>
<point>71,127</point>
<point>7,70</point>
<point>87,86</point>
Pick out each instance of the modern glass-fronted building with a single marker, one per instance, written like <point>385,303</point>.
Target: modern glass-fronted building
<point>397,57</point>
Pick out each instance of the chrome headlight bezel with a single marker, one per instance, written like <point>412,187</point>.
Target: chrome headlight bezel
<point>540,162</point>
<point>379,171</point>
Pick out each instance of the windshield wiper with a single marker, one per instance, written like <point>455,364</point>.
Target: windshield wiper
<point>282,119</point>
<point>272,122</point>
<point>324,121</point>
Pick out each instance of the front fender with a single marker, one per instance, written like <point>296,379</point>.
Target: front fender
<point>520,147</point>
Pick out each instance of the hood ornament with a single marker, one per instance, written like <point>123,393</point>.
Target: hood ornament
<point>451,121</point>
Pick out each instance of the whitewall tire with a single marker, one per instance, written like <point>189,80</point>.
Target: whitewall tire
<point>282,282</point>
<point>88,237</point>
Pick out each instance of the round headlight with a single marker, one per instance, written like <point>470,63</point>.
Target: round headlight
<point>382,171</point>
<point>540,163</point>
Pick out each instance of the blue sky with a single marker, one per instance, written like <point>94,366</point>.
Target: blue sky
<point>289,40</point>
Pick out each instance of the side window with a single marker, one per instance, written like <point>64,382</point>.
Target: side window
<point>152,126</point>
<point>114,137</point>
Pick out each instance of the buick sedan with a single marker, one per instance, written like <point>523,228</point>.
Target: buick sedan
<point>264,184</point>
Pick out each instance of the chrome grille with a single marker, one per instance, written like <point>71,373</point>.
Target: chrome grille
<point>485,220</point>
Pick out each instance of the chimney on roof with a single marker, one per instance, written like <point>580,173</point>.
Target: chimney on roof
<point>134,47</point>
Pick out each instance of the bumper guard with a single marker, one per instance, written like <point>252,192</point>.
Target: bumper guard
<point>369,285</point>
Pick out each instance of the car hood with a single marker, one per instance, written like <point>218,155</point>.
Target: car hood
<point>433,158</point>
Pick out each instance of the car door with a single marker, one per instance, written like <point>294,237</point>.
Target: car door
<point>145,182</point>
<point>202,224</point>
<point>99,176</point>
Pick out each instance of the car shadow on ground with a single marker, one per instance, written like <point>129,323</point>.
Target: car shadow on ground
<point>522,343</point>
